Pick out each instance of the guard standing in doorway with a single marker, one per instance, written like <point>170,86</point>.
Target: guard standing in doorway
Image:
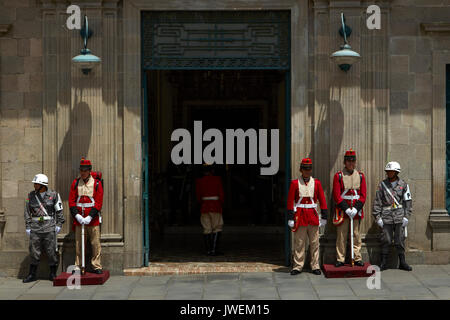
<point>43,221</point>
<point>85,202</point>
<point>349,194</point>
<point>392,210</point>
<point>303,217</point>
<point>209,192</point>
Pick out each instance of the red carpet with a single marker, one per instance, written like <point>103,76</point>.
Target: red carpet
<point>346,271</point>
<point>87,279</point>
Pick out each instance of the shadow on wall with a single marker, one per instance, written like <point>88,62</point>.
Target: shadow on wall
<point>76,144</point>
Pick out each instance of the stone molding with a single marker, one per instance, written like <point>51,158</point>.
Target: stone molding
<point>436,26</point>
<point>4,28</point>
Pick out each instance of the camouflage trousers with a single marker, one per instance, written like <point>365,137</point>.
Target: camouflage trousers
<point>393,232</point>
<point>45,241</point>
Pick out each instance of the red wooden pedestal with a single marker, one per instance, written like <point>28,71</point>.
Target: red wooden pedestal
<point>87,279</point>
<point>346,271</point>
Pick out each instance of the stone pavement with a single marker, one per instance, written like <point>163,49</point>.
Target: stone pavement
<point>424,282</point>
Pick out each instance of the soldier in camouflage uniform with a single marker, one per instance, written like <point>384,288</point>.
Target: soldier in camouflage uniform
<point>392,209</point>
<point>43,220</point>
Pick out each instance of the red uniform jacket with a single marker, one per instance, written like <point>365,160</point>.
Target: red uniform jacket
<point>98,198</point>
<point>306,216</point>
<point>338,189</point>
<point>209,186</point>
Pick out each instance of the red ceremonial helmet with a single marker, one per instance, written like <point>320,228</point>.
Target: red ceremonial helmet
<point>350,155</point>
<point>306,163</point>
<point>85,164</point>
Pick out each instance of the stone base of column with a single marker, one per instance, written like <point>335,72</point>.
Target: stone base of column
<point>440,225</point>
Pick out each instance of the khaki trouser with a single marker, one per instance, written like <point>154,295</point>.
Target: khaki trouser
<point>341,242</point>
<point>312,232</point>
<point>93,232</point>
<point>211,222</point>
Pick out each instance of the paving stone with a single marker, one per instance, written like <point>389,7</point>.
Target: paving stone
<point>340,298</point>
<point>297,295</point>
<point>16,283</point>
<point>446,268</point>
<point>119,280</point>
<point>149,290</point>
<point>215,291</point>
<point>111,295</point>
<point>149,297</point>
<point>45,290</point>
<point>85,293</point>
<point>255,280</point>
<point>37,297</point>
<point>427,297</point>
<point>408,289</point>
<point>441,292</point>
<point>269,293</point>
<point>333,290</point>
<point>424,271</point>
<point>173,295</point>
<point>147,280</point>
<point>436,282</point>
<point>11,293</point>
<point>222,277</point>
<point>222,296</point>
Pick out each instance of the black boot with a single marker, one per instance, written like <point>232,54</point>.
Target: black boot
<point>52,273</point>
<point>207,240</point>
<point>32,275</point>
<point>215,244</point>
<point>383,264</point>
<point>403,265</point>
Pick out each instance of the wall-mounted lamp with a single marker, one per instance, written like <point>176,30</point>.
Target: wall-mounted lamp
<point>345,57</point>
<point>86,61</point>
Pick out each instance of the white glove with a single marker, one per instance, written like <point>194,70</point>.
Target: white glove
<point>87,220</point>
<point>380,223</point>
<point>405,222</point>
<point>354,212</point>
<point>291,223</point>
<point>349,212</point>
<point>79,218</point>
<point>57,229</point>
<point>322,222</point>
<point>28,231</point>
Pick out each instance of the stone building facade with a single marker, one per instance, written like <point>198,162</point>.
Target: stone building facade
<point>388,106</point>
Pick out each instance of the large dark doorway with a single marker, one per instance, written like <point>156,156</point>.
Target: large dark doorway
<point>254,204</point>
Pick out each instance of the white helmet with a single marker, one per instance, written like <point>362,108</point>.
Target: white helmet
<point>41,179</point>
<point>393,166</point>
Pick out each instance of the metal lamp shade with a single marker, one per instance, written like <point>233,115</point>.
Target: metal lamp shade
<point>86,62</point>
<point>345,57</point>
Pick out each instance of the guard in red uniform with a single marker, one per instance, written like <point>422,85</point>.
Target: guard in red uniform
<point>85,202</point>
<point>209,193</point>
<point>303,216</point>
<point>349,194</point>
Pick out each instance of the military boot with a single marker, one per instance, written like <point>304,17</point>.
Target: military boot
<point>52,273</point>
<point>383,264</point>
<point>215,244</point>
<point>403,265</point>
<point>207,240</point>
<point>32,275</point>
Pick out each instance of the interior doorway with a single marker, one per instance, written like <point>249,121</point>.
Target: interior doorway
<point>254,207</point>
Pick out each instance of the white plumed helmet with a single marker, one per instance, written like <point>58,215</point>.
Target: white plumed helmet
<point>393,166</point>
<point>41,179</point>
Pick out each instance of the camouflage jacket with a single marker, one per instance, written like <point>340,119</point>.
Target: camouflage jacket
<point>384,206</point>
<point>33,210</point>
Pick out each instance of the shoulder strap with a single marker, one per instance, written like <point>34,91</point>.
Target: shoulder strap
<point>76,183</point>
<point>96,184</point>
<point>340,180</point>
